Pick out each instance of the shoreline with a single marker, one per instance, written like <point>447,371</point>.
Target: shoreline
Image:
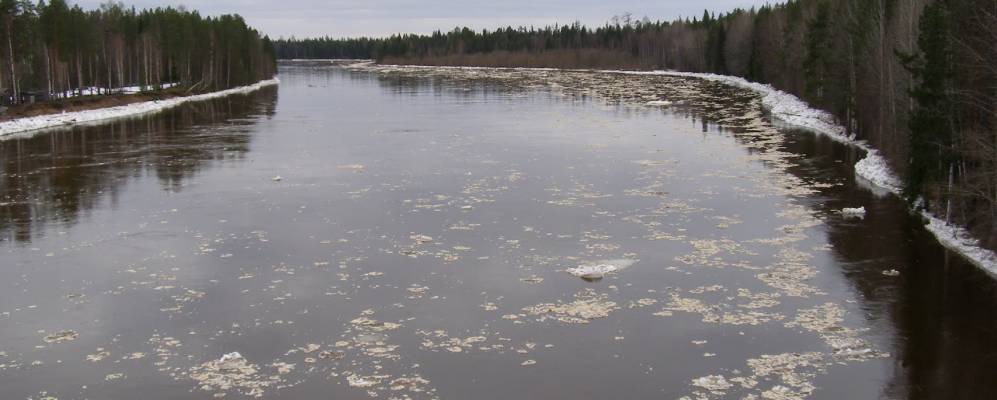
<point>793,111</point>
<point>30,125</point>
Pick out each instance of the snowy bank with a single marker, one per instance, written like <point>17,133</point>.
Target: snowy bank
<point>77,117</point>
<point>959,240</point>
<point>793,111</point>
<point>873,167</point>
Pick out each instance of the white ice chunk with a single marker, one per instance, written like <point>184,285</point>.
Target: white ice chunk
<point>853,212</point>
<point>600,269</point>
<point>592,271</point>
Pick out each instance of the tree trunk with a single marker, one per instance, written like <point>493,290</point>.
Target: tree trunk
<point>48,70</point>
<point>13,68</point>
<point>79,74</point>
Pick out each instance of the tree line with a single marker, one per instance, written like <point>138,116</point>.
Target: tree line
<point>326,48</point>
<point>54,50</point>
<point>917,79</point>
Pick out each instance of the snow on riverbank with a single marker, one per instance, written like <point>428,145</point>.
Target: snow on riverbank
<point>77,117</point>
<point>793,111</point>
<point>873,167</point>
<point>959,240</point>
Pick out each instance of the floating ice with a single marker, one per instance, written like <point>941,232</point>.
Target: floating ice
<point>790,110</point>
<point>421,238</point>
<point>231,372</point>
<point>853,212</point>
<point>713,383</point>
<point>64,336</point>
<point>588,305</point>
<point>600,269</point>
<point>592,271</point>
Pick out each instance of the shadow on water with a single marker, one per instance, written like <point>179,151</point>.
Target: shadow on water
<point>57,177</point>
<point>939,316</point>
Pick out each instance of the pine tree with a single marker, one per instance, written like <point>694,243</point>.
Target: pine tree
<point>930,129</point>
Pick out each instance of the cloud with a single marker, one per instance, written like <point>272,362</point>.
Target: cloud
<point>303,18</point>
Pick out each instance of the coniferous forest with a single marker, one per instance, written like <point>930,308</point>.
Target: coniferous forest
<point>917,79</point>
<point>52,49</point>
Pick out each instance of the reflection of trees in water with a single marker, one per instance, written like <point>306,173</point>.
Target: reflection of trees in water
<point>942,310</point>
<point>55,177</point>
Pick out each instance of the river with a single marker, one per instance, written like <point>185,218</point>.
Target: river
<point>364,232</point>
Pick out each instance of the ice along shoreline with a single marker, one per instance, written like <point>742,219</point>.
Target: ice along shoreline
<point>31,124</point>
<point>795,112</point>
<point>873,168</point>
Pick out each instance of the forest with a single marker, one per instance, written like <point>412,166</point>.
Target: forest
<point>917,79</point>
<point>51,50</point>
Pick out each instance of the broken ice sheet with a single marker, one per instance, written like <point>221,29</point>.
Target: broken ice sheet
<point>588,305</point>
<point>62,336</point>
<point>599,269</point>
<point>232,372</point>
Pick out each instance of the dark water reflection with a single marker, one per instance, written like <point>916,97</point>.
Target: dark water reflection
<point>54,178</point>
<point>173,227</point>
<point>941,313</point>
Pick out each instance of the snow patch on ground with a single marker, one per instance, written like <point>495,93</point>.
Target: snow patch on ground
<point>873,168</point>
<point>91,91</point>
<point>29,124</point>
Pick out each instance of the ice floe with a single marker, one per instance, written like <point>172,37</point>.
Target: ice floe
<point>600,269</point>
<point>853,212</point>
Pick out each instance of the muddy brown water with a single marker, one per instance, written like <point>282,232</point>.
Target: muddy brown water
<point>405,233</point>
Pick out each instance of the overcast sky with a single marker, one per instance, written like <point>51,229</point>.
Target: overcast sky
<point>305,18</point>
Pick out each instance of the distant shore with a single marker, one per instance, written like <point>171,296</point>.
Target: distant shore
<point>73,111</point>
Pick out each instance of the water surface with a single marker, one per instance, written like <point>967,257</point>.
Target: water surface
<point>406,233</point>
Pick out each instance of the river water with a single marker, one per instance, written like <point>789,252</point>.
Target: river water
<point>366,232</point>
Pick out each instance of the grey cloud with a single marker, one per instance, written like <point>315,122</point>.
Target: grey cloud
<point>382,17</point>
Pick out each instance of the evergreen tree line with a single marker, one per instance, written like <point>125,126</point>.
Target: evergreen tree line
<point>53,50</point>
<point>917,79</point>
<point>325,48</point>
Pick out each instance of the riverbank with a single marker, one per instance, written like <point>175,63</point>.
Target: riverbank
<point>793,111</point>
<point>78,111</point>
<point>874,168</point>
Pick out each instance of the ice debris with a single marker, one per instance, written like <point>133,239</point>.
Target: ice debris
<point>600,269</point>
<point>853,212</point>
<point>231,372</point>
<point>64,336</point>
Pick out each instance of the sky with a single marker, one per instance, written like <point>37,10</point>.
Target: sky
<point>351,18</point>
